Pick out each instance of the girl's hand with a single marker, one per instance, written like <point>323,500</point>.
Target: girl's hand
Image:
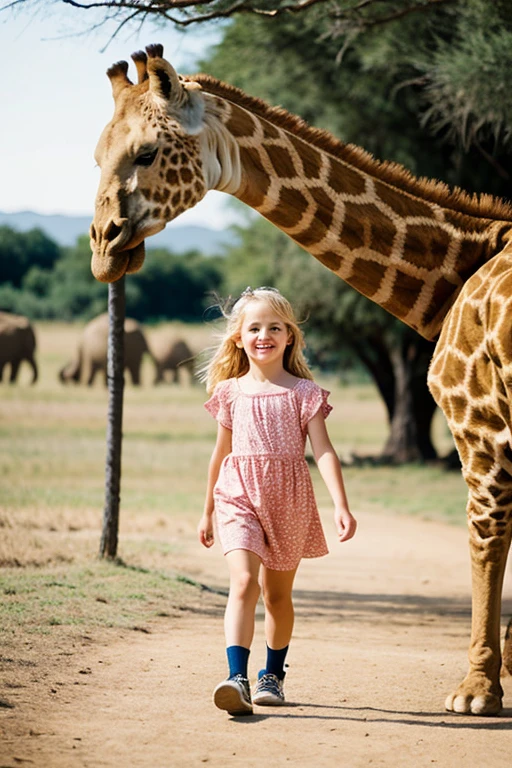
<point>345,524</point>
<point>205,531</point>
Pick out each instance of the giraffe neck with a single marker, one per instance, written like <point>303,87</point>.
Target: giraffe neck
<point>367,222</point>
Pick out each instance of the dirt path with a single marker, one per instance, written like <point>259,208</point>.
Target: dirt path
<point>381,636</point>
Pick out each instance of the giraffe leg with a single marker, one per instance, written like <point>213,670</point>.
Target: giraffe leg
<point>480,693</point>
<point>471,380</point>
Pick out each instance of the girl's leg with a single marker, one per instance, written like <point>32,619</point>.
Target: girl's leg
<point>279,613</point>
<point>234,694</point>
<point>244,591</point>
<point>279,617</point>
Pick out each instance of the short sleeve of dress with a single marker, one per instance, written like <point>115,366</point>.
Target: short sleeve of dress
<point>219,404</point>
<point>314,399</point>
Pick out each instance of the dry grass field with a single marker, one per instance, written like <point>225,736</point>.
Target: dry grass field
<point>52,453</point>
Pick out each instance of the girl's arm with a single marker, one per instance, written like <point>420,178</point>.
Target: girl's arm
<point>330,469</point>
<point>221,450</point>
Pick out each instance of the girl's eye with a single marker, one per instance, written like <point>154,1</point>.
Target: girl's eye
<point>146,158</point>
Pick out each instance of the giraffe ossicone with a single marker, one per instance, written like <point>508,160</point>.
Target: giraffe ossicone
<point>438,259</point>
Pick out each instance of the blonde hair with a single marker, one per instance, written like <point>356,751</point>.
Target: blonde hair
<point>229,361</point>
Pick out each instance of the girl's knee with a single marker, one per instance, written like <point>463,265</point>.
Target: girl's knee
<point>245,585</point>
<point>275,600</point>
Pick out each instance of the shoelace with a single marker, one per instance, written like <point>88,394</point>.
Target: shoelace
<point>270,685</point>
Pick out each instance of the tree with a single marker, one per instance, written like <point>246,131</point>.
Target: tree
<point>381,95</point>
<point>172,286</point>
<point>58,282</point>
<point>22,251</point>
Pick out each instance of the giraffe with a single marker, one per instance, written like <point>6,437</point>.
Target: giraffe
<point>438,259</point>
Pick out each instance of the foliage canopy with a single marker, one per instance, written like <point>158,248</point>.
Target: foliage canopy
<point>456,53</point>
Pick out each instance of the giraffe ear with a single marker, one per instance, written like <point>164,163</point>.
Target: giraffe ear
<point>163,80</point>
<point>184,101</point>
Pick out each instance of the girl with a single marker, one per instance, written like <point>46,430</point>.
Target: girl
<point>259,484</point>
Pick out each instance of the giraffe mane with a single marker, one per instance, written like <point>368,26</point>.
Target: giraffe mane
<point>482,205</point>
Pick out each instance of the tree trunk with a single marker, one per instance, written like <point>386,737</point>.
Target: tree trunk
<point>115,374</point>
<point>423,403</point>
<point>402,444</point>
<point>374,354</point>
<point>399,371</point>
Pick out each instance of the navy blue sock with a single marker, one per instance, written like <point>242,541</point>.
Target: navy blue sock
<point>275,662</point>
<point>238,659</point>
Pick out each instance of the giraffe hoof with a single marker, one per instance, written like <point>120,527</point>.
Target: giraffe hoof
<point>483,704</point>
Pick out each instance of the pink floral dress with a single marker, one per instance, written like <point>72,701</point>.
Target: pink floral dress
<point>264,499</point>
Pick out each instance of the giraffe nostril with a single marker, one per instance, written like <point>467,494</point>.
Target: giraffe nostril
<point>112,231</point>
<point>92,232</point>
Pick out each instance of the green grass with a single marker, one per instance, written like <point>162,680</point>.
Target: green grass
<point>101,594</point>
<point>428,492</point>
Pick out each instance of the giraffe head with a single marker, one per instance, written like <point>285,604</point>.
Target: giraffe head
<point>150,160</point>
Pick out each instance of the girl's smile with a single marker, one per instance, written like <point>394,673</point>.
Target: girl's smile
<point>264,335</point>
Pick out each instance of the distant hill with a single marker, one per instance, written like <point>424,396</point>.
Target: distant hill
<point>66,229</point>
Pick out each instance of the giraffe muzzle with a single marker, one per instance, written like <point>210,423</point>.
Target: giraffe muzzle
<point>113,255</point>
<point>112,234</point>
<point>110,267</point>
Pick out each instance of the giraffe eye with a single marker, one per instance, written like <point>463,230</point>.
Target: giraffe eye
<point>146,158</point>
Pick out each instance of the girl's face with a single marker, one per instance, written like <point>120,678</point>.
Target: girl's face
<point>264,335</point>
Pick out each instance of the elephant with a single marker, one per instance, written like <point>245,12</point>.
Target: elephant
<point>171,354</point>
<point>17,343</point>
<point>93,348</point>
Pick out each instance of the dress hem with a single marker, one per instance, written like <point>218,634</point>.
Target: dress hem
<point>273,568</point>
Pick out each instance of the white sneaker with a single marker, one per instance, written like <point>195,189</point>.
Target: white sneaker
<point>269,691</point>
<point>234,695</point>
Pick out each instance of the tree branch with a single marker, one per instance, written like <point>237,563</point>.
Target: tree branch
<point>500,170</point>
<point>351,17</point>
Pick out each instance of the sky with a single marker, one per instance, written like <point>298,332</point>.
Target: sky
<point>56,100</point>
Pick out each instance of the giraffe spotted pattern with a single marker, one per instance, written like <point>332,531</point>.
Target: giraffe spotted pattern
<point>416,252</point>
